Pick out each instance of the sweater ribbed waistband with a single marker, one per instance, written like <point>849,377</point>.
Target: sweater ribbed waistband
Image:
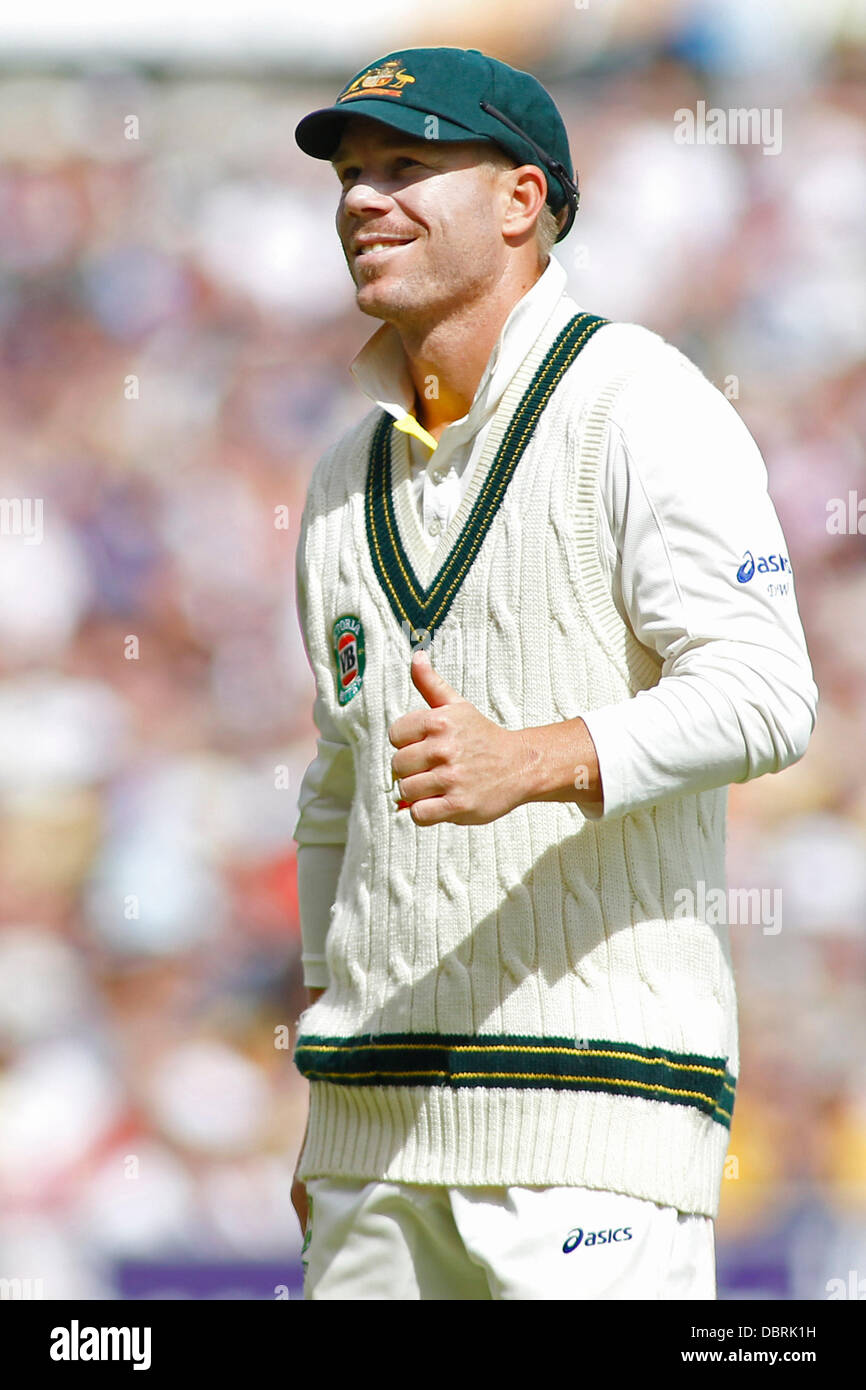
<point>666,1153</point>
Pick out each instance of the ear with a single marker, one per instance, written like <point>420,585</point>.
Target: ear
<point>528,196</point>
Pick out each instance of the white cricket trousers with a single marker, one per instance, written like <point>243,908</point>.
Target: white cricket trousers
<point>388,1240</point>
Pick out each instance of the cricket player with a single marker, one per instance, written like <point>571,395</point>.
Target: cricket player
<point>550,614</point>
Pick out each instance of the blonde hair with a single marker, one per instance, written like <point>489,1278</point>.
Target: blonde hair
<point>547,229</point>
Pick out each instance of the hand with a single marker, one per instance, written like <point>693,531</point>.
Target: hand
<point>299,1201</point>
<point>453,763</point>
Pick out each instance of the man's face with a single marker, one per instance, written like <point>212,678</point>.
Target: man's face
<point>433,210</point>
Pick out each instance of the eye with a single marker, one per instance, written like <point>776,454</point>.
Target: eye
<point>349,172</point>
<point>406,161</point>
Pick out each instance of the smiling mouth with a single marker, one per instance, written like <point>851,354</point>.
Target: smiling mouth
<point>379,248</point>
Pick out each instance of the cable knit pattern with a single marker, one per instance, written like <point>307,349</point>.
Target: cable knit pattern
<point>543,925</point>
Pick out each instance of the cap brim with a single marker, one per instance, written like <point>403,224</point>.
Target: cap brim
<point>319,133</point>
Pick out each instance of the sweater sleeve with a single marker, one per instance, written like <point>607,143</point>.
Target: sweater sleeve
<point>324,802</point>
<point>318,874</point>
<point>699,567</point>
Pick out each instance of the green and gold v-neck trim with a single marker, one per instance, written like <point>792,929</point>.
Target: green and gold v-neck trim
<point>400,558</point>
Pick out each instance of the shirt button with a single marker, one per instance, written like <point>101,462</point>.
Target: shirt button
<point>437,475</point>
<point>435,527</point>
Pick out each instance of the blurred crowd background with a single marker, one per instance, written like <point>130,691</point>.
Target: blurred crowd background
<point>176,322</point>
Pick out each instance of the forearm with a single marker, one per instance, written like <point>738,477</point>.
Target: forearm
<point>720,720</point>
<point>559,763</point>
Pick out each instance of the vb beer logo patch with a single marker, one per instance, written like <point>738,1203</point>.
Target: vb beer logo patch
<point>348,642</point>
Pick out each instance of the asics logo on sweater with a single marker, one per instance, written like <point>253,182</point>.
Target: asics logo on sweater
<point>576,1238</point>
<point>765,564</point>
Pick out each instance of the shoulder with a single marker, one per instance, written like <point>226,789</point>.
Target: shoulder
<point>618,357</point>
<point>637,353</point>
<point>657,389</point>
<point>342,468</point>
<point>660,381</point>
<point>679,435</point>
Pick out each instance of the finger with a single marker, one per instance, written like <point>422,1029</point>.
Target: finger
<point>409,728</point>
<point>435,810</point>
<point>429,683</point>
<point>421,786</point>
<point>414,758</point>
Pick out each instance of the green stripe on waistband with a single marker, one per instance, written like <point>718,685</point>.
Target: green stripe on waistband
<point>521,1063</point>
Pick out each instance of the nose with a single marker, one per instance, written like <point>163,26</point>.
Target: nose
<point>363,202</point>
<point>365,197</point>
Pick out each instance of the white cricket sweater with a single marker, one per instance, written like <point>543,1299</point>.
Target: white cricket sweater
<point>743,701</point>
<point>516,1003</point>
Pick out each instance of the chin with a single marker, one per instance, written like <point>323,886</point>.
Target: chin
<point>370,297</point>
<point>382,301</point>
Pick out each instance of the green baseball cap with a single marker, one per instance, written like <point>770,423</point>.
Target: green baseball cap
<point>455,94</point>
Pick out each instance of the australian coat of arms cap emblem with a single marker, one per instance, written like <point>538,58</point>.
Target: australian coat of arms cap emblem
<point>384,80</point>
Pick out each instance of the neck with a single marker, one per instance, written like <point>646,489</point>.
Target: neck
<point>446,359</point>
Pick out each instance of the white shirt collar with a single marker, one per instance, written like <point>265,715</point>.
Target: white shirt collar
<point>381,371</point>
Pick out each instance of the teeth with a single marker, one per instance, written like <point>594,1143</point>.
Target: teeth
<point>379,246</point>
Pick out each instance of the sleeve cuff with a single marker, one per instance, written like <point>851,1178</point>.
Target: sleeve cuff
<point>605,730</point>
<point>315,970</point>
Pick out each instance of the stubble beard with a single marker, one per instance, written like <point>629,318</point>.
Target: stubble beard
<point>418,304</point>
